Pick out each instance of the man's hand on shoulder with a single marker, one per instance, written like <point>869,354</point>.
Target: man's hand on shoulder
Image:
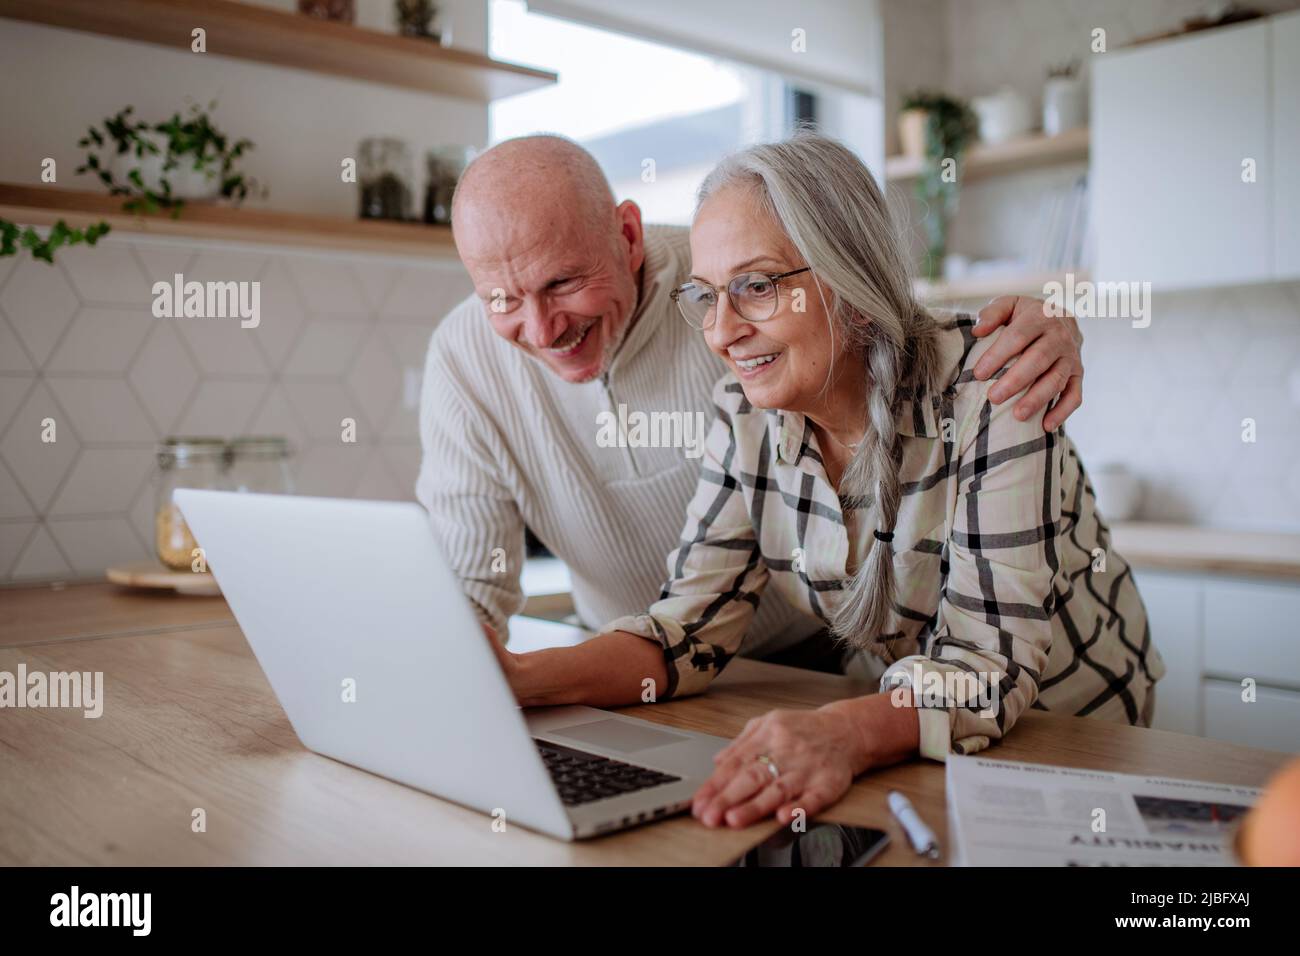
<point>1046,348</point>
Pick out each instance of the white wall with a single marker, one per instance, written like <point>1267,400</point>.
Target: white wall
<point>916,54</point>
<point>465,20</point>
<point>1012,42</point>
<point>974,47</point>
<point>303,124</point>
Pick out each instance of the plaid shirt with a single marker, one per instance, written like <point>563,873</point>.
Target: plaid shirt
<point>1007,588</point>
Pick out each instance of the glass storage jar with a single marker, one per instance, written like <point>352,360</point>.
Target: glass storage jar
<point>260,463</point>
<point>445,165</point>
<point>184,463</point>
<point>386,175</point>
<point>342,11</point>
<point>415,18</point>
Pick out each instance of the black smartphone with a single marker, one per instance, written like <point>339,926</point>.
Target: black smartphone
<point>822,844</point>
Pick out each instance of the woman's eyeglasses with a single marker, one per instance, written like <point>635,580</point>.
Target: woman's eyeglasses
<point>753,295</point>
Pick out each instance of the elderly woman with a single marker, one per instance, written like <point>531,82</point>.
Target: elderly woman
<point>857,466</point>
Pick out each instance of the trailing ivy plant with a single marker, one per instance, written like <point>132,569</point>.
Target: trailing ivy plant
<point>13,237</point>
<point>950,128</point>
<point>192,139</point>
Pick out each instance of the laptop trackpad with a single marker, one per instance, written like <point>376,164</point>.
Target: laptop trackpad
<point>617,735</point>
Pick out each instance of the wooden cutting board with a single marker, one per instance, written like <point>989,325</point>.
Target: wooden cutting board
<point>154,574</point>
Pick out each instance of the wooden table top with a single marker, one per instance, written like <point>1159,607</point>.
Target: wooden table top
<point>89,610</point>
<point>190,722</point>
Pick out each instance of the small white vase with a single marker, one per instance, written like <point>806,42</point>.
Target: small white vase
<point>1118,490</point>
<point>1004,115</point>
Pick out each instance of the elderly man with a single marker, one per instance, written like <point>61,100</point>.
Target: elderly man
<point>570,320</point>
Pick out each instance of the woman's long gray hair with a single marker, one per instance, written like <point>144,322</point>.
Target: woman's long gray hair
<point>829,206</point>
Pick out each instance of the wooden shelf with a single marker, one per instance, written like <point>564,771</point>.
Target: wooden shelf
<point>42,205</point>
<point>1025,152</point>
<point>1176,547</point>
<point>986,287</point>
<point>288,39</point>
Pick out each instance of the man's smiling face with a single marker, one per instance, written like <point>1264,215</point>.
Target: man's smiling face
<point>554,261</point>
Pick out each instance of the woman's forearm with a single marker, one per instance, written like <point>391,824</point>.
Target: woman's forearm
<point>607,671</point>
<point>887,731</point>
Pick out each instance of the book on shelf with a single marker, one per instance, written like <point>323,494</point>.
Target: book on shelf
<point>1063,241</point>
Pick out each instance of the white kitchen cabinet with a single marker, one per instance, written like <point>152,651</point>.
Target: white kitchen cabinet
<point>1173,603</point>
<point>1251,631</point>
<point>1213,630</point>
<point>1286,145</point>
<point>1270,721</point>
<point>1172,124</point>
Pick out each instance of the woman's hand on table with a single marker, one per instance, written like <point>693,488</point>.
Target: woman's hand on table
<point>804,760</point>
<point>811,758</point>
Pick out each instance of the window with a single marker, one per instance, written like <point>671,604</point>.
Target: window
<point>656,118</point>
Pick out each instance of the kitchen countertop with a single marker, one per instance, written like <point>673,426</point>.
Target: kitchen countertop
<point>1177,547</point>
<point>84,610</point>
<point>40,613</point>
<point>89,610</point>
<point>189,720</point>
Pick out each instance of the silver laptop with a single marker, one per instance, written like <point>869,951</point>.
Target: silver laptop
<point>379,661</point>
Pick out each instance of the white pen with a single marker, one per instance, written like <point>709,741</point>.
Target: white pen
<point>921,836</point>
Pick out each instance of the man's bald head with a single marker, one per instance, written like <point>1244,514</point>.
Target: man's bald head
<point>554,259</point>
<point>535,176</point>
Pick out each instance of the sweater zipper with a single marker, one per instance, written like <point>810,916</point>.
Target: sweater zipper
<point>622,435</point>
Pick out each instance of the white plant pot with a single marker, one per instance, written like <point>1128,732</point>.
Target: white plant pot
<point>1065,105</point>
<point>150,164</point>
<point>185,182</point>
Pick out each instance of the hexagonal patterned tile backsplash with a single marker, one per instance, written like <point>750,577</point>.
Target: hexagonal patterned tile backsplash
<point>345,336</point>
<point>1169,401</point>
<point>340,336</point>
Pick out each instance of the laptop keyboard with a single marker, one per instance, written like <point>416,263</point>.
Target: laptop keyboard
<point>584,778</point>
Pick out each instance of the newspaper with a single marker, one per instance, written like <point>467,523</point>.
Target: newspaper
<point>1023,814</point>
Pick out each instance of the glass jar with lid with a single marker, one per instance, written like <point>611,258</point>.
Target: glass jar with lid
<point>260,463</point>
<point>184,463</point>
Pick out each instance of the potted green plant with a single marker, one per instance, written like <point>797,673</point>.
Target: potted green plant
<point>161,165</point>
<point>950,128</point>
